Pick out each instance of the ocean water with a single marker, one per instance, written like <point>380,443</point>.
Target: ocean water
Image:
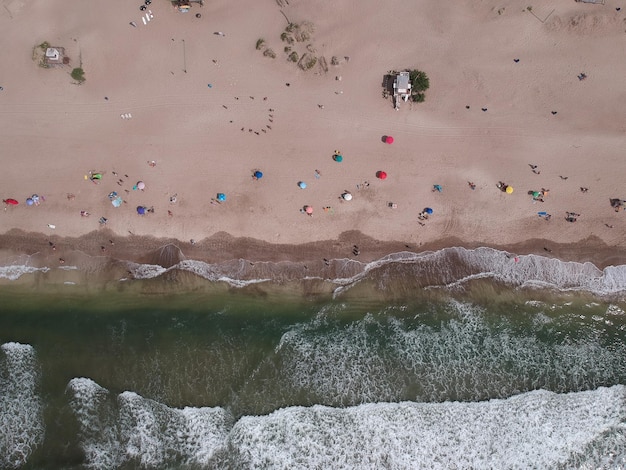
<point>398,366</point>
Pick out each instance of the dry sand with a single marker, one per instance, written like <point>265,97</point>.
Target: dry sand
<point>54,131</point>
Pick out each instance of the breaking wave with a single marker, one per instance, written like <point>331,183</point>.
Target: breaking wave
<point>21,408</point>
<point>537,429</point>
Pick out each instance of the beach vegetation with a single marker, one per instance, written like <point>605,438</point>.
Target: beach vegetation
<point>285,37</point>
<point>419,81</point>
<point>293,57</point>
<point>260,43</point>
<point>307,61</point>
<point>39,54</point>
<point>78,74</point>
<point>287,49</point>
<point>269,53</point>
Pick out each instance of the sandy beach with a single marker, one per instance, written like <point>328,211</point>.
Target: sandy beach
<point>192,114</point>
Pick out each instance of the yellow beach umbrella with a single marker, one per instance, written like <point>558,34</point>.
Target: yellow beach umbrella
<point>509,189</point>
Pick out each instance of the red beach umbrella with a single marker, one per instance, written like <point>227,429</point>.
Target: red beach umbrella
<point>388,139</point>
<point>12,202</point>
<point>381,175</point>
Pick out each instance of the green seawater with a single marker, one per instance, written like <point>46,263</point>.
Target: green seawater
<point>252,353</point>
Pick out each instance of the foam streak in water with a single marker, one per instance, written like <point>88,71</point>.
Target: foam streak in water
<point>21,410</point>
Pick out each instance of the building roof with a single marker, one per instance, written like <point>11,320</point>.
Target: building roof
<point>402,81</point>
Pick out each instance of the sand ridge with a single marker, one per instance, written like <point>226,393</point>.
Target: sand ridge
<point>206,140</point>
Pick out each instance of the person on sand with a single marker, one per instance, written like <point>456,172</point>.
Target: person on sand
<point>471,185</point>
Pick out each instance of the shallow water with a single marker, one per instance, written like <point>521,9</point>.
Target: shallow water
<point>492,376</point>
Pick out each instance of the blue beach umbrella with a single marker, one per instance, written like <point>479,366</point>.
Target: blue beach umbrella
<point>428,210</point>
<point>301,184</point>
<point>258,175</point>
<point>338,158</point>
<point>141,210</point>
<point>29,201</point>
<point>221,196</point>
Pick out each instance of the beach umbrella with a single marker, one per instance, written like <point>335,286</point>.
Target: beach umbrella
<point>347,196</point>
<point>509,189</point>
<point>388,139</point>
<point>141,185</point>
<point>338,158</point>
<point>381,175</point>
<point>437,187</point>
<point>301,184</point>
<point>10,202</point>
<point>428,210</point>
<point>141,210</point>
<point>258,175</point>
<point>117,202</point>
<point>221,196</point>
<point>29,201</point>
<point>308,209</point>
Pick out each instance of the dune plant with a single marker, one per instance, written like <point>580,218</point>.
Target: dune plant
<point>78,74</point>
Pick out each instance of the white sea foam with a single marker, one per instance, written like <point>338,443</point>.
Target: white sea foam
<point>145,271</point>
<point>534,430</point>
<point>14,272</point>
<point>229,273</point>
<point>132,429</point>
<point>21,409</point>
<point>384,358</point>
<point>455,266</point>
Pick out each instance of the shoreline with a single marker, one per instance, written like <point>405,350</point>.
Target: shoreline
<point>222,247</point>
<point>380,270</point>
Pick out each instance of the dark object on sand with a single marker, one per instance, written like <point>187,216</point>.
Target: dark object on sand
<point>198,15</point>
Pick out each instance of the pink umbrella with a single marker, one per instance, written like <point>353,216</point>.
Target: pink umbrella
<point>141,185</point>
<point>308,210</point>
<point>381,175</point>
<point>388,139</point>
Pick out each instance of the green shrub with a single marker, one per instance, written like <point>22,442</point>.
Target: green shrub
<point>78,74</point>
<point>260,43</point>
<point>269,53</point>
<point>293,57</point>
<point>419,80</point>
